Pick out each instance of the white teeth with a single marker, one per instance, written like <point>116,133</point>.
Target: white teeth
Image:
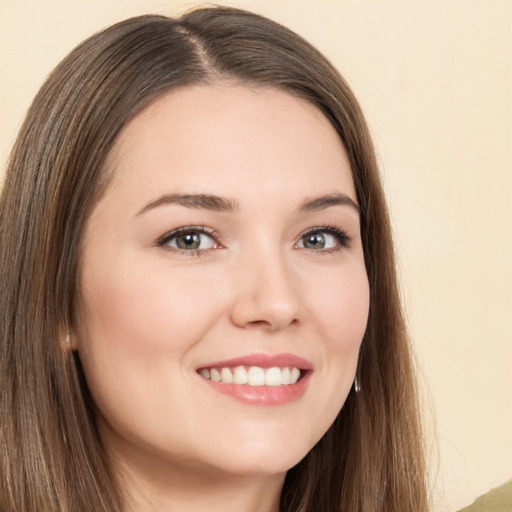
<point>226,376</point>
<point>273,377</point>
<point>240,375</point>
<point>294,375</point>
<point>254,376</point>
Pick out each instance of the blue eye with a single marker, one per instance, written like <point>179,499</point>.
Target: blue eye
<point>324,239</point>
<point>189,239</point>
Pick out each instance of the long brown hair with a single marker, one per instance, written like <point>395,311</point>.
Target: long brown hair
<point>52,457</point>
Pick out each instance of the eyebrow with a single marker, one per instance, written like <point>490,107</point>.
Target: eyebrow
<point>321,203</point>
<point>222,204</point>
<point>195,201</point>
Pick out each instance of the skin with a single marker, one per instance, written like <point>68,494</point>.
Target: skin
<point>152,314</point>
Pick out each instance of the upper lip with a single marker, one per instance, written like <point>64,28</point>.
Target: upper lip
<point>263,361</point>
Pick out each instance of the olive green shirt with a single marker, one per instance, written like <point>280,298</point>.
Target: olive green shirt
<point>496,500</point>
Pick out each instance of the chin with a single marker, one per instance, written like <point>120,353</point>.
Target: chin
<point>257,467</point>
<point>262,457</point>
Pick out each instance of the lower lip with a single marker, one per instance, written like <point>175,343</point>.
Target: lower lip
<point>262,395</point>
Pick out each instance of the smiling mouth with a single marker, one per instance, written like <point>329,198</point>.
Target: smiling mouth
<point>253,375</point>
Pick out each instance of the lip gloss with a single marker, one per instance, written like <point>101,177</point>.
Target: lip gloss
<point>269,394</point>
<point>262,395</point>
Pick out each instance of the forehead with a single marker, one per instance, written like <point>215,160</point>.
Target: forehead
<point>222,137</point>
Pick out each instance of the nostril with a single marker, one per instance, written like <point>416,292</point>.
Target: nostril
<point>256,324</point>
<point>270,325</point>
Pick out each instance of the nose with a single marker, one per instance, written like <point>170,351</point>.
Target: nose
<point>265,295</point>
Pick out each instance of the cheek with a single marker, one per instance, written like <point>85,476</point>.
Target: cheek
<point>341,309</point>
<point>144,311</point>
<point>137,326</point>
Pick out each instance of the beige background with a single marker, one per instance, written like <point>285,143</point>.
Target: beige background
<point>435,80</point>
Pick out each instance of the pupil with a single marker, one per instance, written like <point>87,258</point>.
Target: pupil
<point>315,241</point>
<point>189,241</point>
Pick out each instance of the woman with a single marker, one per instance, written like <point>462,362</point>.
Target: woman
<point>199,301</point>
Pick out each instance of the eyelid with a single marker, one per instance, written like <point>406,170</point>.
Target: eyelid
<point>203,230</point>
<point>340,234</point>
<point>342,237</point>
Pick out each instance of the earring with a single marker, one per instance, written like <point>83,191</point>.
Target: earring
<point>357,387</point>
<point>68,340</point>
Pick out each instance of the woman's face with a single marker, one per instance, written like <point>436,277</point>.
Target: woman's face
<point>227,246</point>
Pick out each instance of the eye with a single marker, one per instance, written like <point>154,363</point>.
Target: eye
<point>324,239</point>
<point>190,239</point>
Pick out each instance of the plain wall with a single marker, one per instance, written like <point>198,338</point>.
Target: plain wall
<point>435,81</point>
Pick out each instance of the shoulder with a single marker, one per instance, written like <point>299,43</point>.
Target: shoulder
<point>496,500</point>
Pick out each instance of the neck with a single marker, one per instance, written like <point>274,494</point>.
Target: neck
<point>170,489</point>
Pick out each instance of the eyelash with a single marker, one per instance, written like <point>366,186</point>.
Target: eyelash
<point>341,236</point>
<point>201,230</point>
